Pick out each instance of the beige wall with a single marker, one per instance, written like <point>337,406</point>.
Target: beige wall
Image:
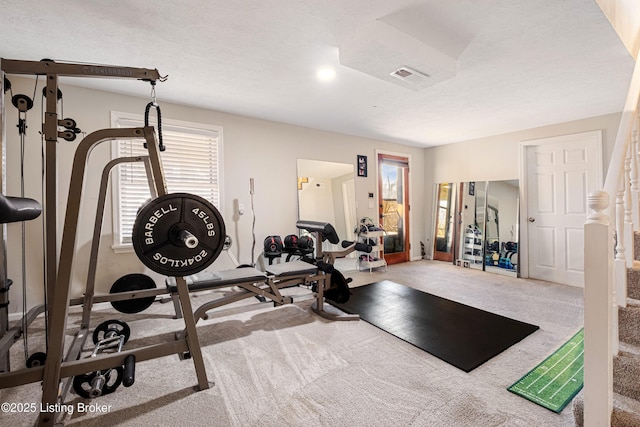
<point>498,157</point>
<point>263,150</point>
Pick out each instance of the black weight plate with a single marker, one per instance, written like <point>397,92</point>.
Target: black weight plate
<point>339,291</point>
<point>82,383</point>
<point>36,359</point>
<point>114,379</point>
<point>156,228</point>
<point>133,282</point>
<point>109,328</point>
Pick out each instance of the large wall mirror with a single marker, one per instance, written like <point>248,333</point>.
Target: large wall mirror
<point>485,234</point>
<point>326,192</point>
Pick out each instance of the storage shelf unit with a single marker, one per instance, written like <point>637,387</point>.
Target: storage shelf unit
<point>473,246</point>
<point>374,259</point>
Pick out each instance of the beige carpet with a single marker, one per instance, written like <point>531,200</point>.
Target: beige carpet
<point>287,367</point>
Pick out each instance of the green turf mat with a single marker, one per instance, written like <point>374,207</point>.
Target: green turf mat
<point>554,382</point>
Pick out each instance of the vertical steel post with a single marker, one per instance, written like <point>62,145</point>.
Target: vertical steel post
<point>50,130</point>
<point>4,286</point>
<point>59,302</point>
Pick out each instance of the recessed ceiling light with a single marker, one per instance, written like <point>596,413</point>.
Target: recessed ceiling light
<point>326,74</point>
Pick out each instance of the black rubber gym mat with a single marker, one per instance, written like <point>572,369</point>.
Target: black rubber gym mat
<point>461,335</point>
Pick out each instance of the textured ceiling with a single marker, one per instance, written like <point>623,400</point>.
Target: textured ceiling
<point>519,64</point>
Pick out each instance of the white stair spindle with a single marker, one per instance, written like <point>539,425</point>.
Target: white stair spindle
<point>620,262</point>
<point>628,217</point>
<point>620,248</point>
<point>635,182</point>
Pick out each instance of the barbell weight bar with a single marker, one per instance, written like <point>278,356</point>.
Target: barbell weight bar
<point>178,234</point>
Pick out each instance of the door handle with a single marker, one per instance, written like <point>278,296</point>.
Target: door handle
<point>531,219</point>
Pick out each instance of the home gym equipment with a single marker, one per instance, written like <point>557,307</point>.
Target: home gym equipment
<point>338,290</point>
<point>111,328</point>
<point>272,248</point>
<point>15,209</point>
<point>23,105</point>
<point>458,334</point>
<point>317,273</point>
<point>300,246</point>
<point>178,234</point>
<point>324,261</point>
<point>130,283</point>
<point>58,262</point>
<point>247,280</point>
<point>108,335</point>
<point>305,245</point>
<point>291,242</point>
<point>174,234</point>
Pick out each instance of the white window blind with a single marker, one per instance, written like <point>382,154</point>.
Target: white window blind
<point>191,164</point>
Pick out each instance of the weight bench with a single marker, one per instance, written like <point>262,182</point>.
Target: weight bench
<point>252,282</point>
<point>255,283</point>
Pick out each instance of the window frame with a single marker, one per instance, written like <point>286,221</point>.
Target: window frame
<point>117,119</point>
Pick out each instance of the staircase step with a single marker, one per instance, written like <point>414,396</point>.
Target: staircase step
<point>629,322</point>
<point>577,407</point>
<point>633,281</point>
<point>629,348</point>
<point>626,411</point>
<point>626,371</point>
<point>636,245</point>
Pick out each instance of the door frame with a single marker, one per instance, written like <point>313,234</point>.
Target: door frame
<point>595,166</point>
<point>407,190</point>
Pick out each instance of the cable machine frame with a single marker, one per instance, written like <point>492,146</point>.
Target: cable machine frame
<point>58,268</point>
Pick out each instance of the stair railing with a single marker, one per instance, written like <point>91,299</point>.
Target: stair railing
<point>608,252</point>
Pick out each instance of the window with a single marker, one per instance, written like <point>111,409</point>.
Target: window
<point>191,164</point>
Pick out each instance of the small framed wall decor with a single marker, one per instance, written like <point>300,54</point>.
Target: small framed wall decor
<point>362,165</point>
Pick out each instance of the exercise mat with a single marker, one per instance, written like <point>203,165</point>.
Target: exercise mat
<point>461,335</point>
<point>554,382</point>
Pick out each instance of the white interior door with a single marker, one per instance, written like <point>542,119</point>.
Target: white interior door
<point>561,172</point>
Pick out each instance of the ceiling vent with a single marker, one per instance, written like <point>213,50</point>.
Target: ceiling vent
<point>410,75</point>
<point>382,51</point>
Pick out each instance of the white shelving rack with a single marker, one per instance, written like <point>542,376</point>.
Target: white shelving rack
<point>473,246</point>
<point>373,235</point>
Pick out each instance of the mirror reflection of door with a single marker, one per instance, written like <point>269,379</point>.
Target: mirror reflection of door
<point>393,190</point>
<point>443,248</point>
